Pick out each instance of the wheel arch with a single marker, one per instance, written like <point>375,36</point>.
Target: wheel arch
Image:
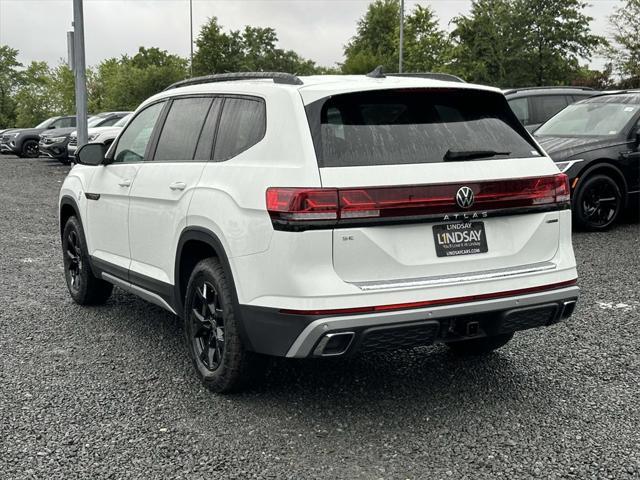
<point>68,208</point>
<point>196,244</point>
<point>606,166</point>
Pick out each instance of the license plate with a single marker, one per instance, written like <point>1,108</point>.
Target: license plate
<point>461,238</point>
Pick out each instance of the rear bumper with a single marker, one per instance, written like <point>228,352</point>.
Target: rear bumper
<point>293,335</point>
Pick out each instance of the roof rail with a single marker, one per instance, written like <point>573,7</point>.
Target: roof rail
<point>447,77</point>
<point>550,87</point>
<point>277,77</point>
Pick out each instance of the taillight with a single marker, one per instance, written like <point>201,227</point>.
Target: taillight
<point>303,208</point>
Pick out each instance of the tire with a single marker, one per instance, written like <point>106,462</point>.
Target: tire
<point>29,149</point>
<point>212,332</point>
<point>84,287</point>
<point>597,203</point>
<point>480,346</point>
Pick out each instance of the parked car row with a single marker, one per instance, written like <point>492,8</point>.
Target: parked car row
<point>594,136</point>
<point>52,137</point>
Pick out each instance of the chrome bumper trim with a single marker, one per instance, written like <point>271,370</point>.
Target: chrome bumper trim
<point>303,345</point>
<point>456,278</point>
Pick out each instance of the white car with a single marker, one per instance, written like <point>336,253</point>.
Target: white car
<point>323,216</point>
<point>104,135</point>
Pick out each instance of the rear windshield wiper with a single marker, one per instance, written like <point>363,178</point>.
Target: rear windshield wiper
<point>457,155</point>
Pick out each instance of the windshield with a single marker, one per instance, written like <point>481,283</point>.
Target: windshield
<point>46,123</point>
<point>123,121</point>
<point>589,119</point>
<point>392,127</point>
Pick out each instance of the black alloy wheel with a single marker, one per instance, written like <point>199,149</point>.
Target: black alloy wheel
<point>207,325</point>
<point>73,260</point>
<point>30,149</point>
<point>84,287</point>
<point>598,203</point>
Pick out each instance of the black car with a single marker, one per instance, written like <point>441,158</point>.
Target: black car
<point>596,142</point>
<point>24,141</point>
<point>54,143</point>
<point>535,105</point>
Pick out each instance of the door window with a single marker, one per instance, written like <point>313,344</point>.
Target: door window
<point>520,107</point>
<point>547,106</point>
<point>134,140</point>
<point>182,129</point>
<point>242,125</point>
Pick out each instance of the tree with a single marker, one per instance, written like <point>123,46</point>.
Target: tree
<point>33,100</point>
<point>485,43</point>
<point>556,35</point>
<point>625,54</point>
<point>377,40</point>
<point>512,43</point>
<point>251,49</point>
<point>9,81</point>
<point>122,84</point>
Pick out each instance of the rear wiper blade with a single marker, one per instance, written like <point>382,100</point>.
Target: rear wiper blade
<point>457,155</point>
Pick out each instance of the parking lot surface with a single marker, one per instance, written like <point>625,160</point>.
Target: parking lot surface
<point>109,392</point>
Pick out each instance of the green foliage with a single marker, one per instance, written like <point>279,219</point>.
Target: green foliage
<point>122,84</point>
<point>44,92</point>
<point>483,42</point>
<point>9,81</point>
<point>625,54</point>
<point>523,42</point>
<point>426,46</point>
<point>252,49</point>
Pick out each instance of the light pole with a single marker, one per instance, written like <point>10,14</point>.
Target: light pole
<point>79,71</point>
<point>401,35</point>
<point>191,27</point>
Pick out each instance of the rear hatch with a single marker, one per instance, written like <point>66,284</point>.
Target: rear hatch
<point>431,184</point>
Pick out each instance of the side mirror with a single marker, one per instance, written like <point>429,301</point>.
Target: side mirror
<point>51,127</point>
<point>91,154</point>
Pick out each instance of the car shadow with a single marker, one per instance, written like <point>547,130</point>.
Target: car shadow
<point>425,379</point>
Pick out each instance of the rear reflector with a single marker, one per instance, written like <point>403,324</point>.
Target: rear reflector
<point>301,208</point>
<point>432,303</point>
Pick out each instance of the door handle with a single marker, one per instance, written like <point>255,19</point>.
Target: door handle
<point>125,183</point>
<point>178,186</point>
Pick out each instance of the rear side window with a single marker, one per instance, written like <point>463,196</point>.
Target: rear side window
<point>182,128</point>
<point>394,127</point>
<point>547,106</point>
<point>242,124</point>
<point>204,150</point>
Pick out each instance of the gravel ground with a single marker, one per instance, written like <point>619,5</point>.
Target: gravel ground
<point>108,392</point>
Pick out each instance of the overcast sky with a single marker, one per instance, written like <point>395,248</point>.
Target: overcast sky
<point>317,29</point>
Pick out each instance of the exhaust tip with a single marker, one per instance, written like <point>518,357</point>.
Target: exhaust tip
<point>334,344</point>
<point>567,309</point>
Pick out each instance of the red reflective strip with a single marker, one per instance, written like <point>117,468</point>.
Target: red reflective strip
<point>432,303</point>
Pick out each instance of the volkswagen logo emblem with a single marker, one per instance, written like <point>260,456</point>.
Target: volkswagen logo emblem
<point>464,197</point>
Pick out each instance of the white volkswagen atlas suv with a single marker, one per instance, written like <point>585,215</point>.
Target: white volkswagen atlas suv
<point>323,216</point>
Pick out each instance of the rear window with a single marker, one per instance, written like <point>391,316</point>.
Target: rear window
<point>404,127</point>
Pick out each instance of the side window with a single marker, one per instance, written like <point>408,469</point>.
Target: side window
<point>133,141</point>
<point>59,123</point>
<point>204,150</point>
<point>520,107</point>
<point>109,122</point>
<point>547,106</point>
<point>182,129</point>
<point>242,125</point>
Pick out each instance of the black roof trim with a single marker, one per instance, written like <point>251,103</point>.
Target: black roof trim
<point>447,77</point>
<point>557,87</point>
<point>277,77</point>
